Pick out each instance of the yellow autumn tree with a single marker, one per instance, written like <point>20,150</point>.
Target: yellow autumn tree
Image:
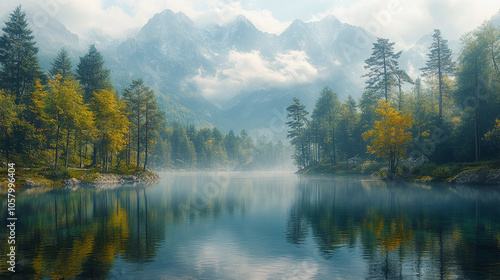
<point>111,122</point>
<point>390,135</point>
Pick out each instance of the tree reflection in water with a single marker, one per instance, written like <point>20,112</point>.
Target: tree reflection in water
<point>206,226</point>
<point>404,231</point>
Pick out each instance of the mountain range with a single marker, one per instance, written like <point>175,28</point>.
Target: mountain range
<point>234,76</point>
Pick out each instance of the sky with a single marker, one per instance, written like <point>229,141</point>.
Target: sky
<point>401,21</point>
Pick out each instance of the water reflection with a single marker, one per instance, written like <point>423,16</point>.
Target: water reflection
<point>258,226</point>
<point>404,230</point>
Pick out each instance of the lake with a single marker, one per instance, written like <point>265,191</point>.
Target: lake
<point>249,225</point>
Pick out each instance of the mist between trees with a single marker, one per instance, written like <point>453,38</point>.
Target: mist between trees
<point>449,114</point>
<point>76,118</point>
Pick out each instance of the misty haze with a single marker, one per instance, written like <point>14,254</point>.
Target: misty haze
<point>250,139</point>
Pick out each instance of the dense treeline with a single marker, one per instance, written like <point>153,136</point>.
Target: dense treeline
<point>449,114</point>
<point>75,118</point>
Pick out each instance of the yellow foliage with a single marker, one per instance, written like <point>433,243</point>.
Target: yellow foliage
<point>390,135</point>
<point>111,120</point>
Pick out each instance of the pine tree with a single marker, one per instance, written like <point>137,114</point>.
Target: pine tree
<point>143,112</point>
<point>183,151</point>
<point>383,66</point>
<point>325,115</point>
<point>92,74</point>
<point>349,134</point>
<point>473,77</point>
<point>153,120</point>
<point>297,125</point>
<point>439,64</point>
<point>62,66</point>
<point>19,63</point>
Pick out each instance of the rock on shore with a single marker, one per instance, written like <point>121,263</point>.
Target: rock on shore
<point>479,177</point>
<point>98,179</point>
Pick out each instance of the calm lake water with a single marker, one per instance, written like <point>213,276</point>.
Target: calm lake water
<point>257,226</point>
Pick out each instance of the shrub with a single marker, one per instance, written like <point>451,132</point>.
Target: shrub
<point>441,173</point>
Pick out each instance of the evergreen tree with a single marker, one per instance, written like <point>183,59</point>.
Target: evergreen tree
<point>325,115</point>
<point>233,146</point>
<point>246,147</point>
<point>183,151</point>
<point>62,66</point>
<point>153,120</point>
<point>297,126</point>
<point>383,66</point>
<point>439,64</point>
<point>473,78</point>
<point>92,74</point>
<point>19,63</point>
<point>140,100</point>
<point>349,133</point>
<point>401,77</point>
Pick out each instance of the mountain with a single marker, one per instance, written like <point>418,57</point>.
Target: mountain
<point>204,74</point>
<point>495,19</point>
<point>235,76</point>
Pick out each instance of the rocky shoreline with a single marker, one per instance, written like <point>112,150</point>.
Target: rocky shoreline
<point>95,180</point>
<point>477,177</point>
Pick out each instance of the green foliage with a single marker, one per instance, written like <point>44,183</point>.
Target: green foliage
<point>383,66</point>
<point>441,173</point>
<point>19,63</point>
<point>297,128</point>
<point>325,118</point>
<point>62,66</point>
<point>92,74</point>
<point>439,64</point>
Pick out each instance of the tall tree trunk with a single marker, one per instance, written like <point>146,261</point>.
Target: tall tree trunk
<point>94,156</point>
<point>57,144</point>
<point>386,78</point>
<point>81,148</point>
<point>67,149</point>
<point>138,138</point>
<point>127,153</point>
<point>333,144</point>
<point>146,150</point>
<point>477,136</point>
<point>440,77</point>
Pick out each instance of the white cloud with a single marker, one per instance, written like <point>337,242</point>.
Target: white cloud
<point>245,70</point>
<point>402,21</point>
<point>406,21</point>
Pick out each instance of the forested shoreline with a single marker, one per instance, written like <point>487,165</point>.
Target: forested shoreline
<point>74,119</point>
<point>448,119</point>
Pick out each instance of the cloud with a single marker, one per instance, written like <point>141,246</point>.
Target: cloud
<point>116,18</point>
<point>407,21</point>
<point>249,70</point>
<point>402,21</point>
